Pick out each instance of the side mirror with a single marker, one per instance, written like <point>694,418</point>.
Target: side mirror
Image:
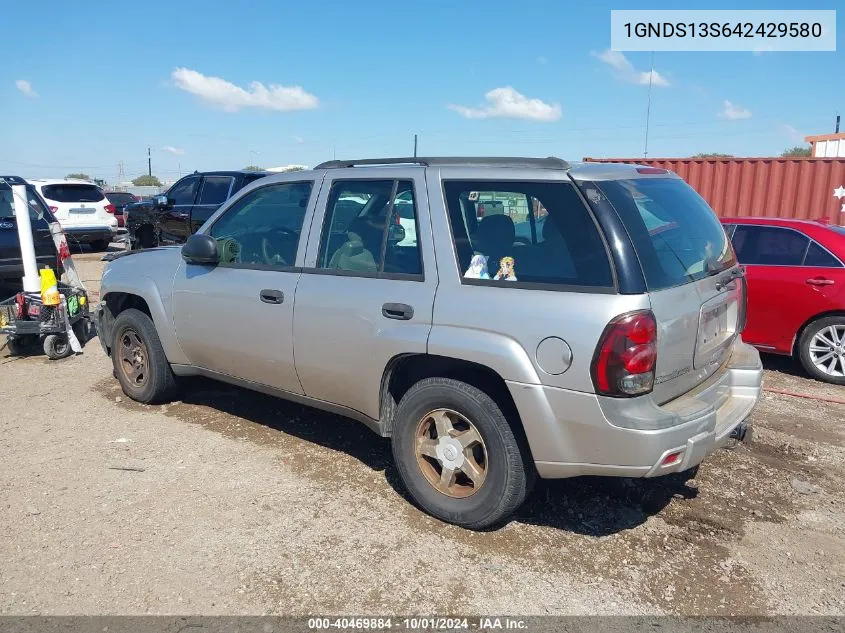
<point>395,233</point>
<point>162,202</point>
<point>200,249</point>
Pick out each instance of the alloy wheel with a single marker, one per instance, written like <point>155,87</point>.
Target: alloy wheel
<point>827,350</point>
<point>134,359</point>
<point>450,453</point>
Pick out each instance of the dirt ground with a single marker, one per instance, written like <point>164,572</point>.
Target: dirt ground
<point>233,502</point>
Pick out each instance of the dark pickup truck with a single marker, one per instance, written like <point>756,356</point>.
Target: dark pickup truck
<point>175,215</point>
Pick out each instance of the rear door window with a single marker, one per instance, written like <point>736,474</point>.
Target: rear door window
<point>215,189</point>
<point>820,257</point>
<point>677,236</point>
<point>73,193</point>
<point>769,246</point>
<point>371,229</point>
<point>542,236</point>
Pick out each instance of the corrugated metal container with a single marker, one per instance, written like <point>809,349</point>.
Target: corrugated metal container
<point>800,188</point>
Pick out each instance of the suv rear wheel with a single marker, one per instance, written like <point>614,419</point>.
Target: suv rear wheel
<point>821,349</point>
<point>457,454</point>
<point>138,358</point>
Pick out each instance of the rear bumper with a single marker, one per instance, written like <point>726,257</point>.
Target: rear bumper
<point>573,433</point>
<point>88,234</point>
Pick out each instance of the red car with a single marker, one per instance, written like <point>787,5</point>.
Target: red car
<point>796,290</point>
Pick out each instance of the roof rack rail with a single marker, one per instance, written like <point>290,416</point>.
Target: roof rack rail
<point>465,161</point>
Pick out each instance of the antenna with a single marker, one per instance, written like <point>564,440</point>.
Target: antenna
<point>648,107</point>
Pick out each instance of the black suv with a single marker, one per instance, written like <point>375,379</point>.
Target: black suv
<point>11,265</point>
<point>173,216</point>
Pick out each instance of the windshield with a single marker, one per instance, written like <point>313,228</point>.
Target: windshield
<point>73,193</point>
<point>677,236</point>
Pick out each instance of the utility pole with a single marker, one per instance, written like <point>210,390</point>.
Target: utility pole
<point>415,145</point>
<point>149,163</point>
<point>648,107</point>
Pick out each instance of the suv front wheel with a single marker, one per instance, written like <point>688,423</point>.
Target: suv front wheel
<point>457,454</point>
<point>138,358</point>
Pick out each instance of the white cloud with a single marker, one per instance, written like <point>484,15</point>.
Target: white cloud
<point>25,87</point>
<point>173,150</point>
<point>298,139</point>
<point>794,135</point>
<point>656,78</point>
<point>625,71</point>
<point>735,112</point>
<point>508,103</point>
<point>232,98</point>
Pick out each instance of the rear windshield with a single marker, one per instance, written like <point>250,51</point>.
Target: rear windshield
<point>73,193</point>
<point>677,236</point>
<point>121,198</point>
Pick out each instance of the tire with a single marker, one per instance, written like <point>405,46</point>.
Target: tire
<point>820,330</point>
<point>508,477</point>
<point>98,246</point>
<point>145,237</point>
<point>138,359</point>
<point>80,329</point>
<point>57,346</point>
<point>21,345</point>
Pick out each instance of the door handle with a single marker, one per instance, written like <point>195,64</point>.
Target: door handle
<point>398,311</point>
<point>272,296</point>
<point>820,281</point>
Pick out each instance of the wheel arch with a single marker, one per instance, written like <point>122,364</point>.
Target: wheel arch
<point>142,296</point>
<point>405,370</point>
<point>800,332</point>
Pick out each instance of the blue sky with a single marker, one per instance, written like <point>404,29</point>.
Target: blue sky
<point>86,85</point>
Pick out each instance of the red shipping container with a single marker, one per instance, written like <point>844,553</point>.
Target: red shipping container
<point>797,188</point>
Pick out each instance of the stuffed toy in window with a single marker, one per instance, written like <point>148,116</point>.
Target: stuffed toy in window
<point>506,269</point>
<point>477,268</point>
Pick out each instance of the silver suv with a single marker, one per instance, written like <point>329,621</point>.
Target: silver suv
<point>592,327</point>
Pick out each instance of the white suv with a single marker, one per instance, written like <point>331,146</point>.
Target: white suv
<point>82,209</point>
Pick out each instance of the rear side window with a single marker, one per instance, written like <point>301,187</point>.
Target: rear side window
<point>676,235</point>
<point>769,246</point>
<point>120,198</point>
<point>73,193</point>
<point>819,257</point>
<point>527,233</point>
<point>215,189</point>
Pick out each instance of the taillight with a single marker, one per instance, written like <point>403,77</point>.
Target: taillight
<point>110,208</point>
<point>54,209</point>
<point>651,170</point>
<point>623,364</point>
<point>20,305</point>
<point>743,306</point>
<point>480,213</point>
